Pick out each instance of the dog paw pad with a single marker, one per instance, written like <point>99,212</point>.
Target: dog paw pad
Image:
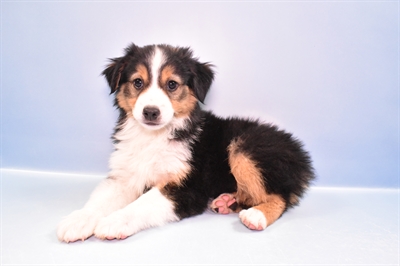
<point>224,204</point>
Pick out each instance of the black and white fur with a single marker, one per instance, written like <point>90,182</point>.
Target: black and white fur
<point>172,159</point>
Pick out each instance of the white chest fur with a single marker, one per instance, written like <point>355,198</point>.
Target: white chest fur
<point>144,157</point>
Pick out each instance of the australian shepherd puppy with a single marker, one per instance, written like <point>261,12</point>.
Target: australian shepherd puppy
<point>173,160</point>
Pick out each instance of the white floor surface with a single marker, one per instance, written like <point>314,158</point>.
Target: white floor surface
<point>332,226</point>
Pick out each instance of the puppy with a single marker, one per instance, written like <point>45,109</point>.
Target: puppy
<point>173,160</point>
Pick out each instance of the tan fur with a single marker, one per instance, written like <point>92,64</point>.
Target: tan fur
<point>167,73</point>
<point>294,199</point>
<point>185,105</point>
<point>251,190</point>
<point>177,177</point>
<point>126,103</point>
<point>127,94</point>
<point>272,208</point>
<point>173,180</point>
<point>182,99</point>
<point>141,72</point>
<point>250,187</point>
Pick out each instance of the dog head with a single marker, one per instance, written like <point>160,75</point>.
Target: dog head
<point>157,83</point>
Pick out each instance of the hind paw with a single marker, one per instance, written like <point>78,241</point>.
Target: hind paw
<point>253,219</point>
<point>224,204</point>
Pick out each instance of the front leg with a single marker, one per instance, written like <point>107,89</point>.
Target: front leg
<point>109,196</point>
<point>150,210</point>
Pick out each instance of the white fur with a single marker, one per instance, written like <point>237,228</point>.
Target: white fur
<point>79,225</point>
<point>254,217</point>
<point>155,97</point>
<point>109,196</point>
<point>150,210</point>
<point>156,63</point>
<point>144,156</point>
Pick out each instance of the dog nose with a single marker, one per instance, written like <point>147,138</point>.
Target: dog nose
<point>151,113</point>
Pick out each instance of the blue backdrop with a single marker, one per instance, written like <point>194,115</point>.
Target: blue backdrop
<point>326,71</point>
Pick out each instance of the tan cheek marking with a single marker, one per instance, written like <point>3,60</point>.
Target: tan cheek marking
<point>126,98</point>
<point>250,185</point>
<point>184,103</point>
<point>272,208</point>
<point>127,95</point>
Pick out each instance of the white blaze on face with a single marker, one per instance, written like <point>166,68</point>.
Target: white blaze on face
<point>154,97</point>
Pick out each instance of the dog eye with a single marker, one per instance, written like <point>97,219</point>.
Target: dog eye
<point>172,85</point>
<point>138,84</point>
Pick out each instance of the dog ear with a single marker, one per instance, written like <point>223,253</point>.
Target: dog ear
<point>202,77</point>
<point>113,72</point>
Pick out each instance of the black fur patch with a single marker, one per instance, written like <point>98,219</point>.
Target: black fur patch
<point>286,167</point>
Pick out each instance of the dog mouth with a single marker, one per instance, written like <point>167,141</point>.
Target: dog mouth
<point>150,123</point>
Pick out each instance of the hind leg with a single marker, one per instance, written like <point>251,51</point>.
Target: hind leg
<point>264,214</point>
<point>265,208</point>
<point>225,204</point>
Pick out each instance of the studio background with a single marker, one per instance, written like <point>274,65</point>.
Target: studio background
<point>325,71</point>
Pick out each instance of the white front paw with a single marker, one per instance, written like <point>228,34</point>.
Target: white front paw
<point>79,225</point>
<point>254,219</point>
<point>117,225</point>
